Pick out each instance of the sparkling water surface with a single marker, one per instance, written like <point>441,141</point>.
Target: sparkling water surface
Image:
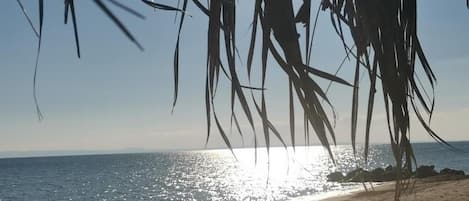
<point>199,175</point>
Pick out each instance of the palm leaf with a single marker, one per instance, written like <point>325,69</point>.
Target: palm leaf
<point>119,24</point>
<point>69,5</point>
<point>128,9</point>
<point>162,6</point>
<point>355,106</point>
<point>292,112</point>
<point>25,13</point>
<point>369,114</point>
<point>176,55</point>
<point>385,31</point>
<point>41,20</point>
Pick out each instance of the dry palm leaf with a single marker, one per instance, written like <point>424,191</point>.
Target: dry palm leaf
<point>385,44</point>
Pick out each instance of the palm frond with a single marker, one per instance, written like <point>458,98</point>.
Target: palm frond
<point>69,5</point>
<point>41,20</point>
<point>385,44</point>
<point>389,30</point>
<point>119,24</point>
<point>162,6</point>
<point>25,13</point>
<point>127,9</point>
<point>176,54</point>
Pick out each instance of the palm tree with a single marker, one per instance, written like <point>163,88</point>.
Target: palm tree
<point>385,44</point>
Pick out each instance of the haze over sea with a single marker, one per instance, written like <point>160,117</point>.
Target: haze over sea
<point>199,175</point>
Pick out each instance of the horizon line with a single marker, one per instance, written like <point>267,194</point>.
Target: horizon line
<point>71,152</point>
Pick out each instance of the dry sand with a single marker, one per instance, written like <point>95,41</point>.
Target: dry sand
<point>430,189</point>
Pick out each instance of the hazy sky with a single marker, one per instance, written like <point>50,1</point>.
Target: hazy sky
<point>117,97</point>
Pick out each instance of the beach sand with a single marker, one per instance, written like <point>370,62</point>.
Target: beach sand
<point>441,188</point>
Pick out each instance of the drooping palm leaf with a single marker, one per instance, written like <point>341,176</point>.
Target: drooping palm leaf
<point>291,112</point>
<point>69,5</point>
<point>384,36</point>
<point>355,106</point>
<point>162,6</point>
<point>25,13</point>
<point>128,9</point>
<point>388,30</point>
<point>41,20</point>
<point>176,55</point>
<point>119,24</point>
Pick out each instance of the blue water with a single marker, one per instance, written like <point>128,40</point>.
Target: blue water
<point>198,175</point>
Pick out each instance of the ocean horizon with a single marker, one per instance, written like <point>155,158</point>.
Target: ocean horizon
<point>74,152</point>
<point>215,174</point>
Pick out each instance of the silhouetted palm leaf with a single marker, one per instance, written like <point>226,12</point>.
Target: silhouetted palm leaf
<point>41,20</point>
<point>119,24</point>
<point>25,13</point>
<point>128,9</point>
<point>385,44</point>
<point>162,6</point>
<point>69,5</point>
<point>176,54</point>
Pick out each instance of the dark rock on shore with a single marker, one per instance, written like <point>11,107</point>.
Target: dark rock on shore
<point>335,176</point>
<point>355,175</point>
<point>377,174</point>
<point>425,171</point>
<point>448,171</point>
<point>390,173</point>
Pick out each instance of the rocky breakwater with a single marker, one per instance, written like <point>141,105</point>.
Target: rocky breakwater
<point>390,174</point>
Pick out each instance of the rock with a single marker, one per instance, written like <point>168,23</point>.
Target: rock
<point>389,168</point>
<point>378,171</point>
<point>390,174</point>
<point>425,171</point>
<point>448,171</point>
<point>357,175</point>
<point>335,176</point>
<point>352,174</point>
<point>376,175</point>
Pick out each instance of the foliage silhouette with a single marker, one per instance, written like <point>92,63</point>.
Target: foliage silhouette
<point>385,44</point>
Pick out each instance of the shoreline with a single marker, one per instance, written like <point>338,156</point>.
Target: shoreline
<point>325,196</point>
<point>433,188</point>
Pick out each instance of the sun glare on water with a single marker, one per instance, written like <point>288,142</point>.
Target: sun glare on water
<point>279,174</point>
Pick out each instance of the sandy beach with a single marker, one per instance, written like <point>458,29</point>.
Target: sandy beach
<point>434,189</point>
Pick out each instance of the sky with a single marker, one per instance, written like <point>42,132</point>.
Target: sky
<point>116,97</point>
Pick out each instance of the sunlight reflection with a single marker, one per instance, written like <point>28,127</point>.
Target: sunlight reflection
<point>279,174</point>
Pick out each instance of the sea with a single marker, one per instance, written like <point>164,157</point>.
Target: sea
<point>245,174</point>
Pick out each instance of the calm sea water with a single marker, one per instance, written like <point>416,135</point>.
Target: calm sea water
<point>197,175</point>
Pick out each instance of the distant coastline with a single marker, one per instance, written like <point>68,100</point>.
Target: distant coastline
<point>58,153</point>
